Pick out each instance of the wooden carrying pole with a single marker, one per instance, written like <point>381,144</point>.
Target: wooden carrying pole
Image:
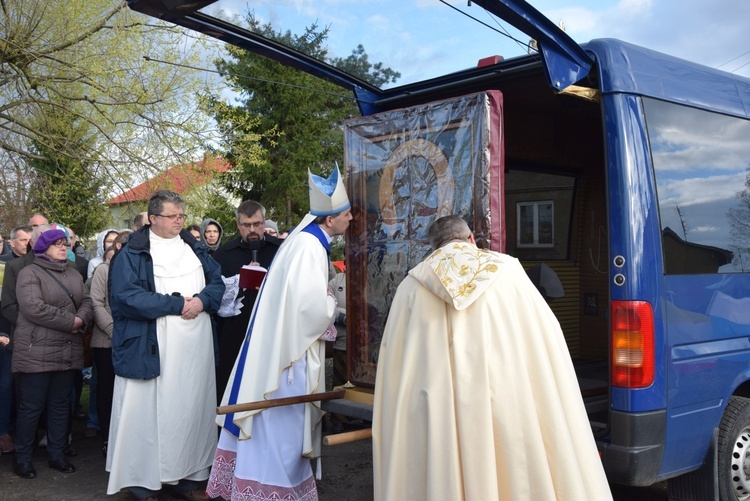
<point>349,436</point>
<point>277,402</point>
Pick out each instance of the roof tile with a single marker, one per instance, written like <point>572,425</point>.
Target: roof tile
<point>180,178</point>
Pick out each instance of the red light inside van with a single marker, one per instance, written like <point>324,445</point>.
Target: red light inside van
<point>632,344</point>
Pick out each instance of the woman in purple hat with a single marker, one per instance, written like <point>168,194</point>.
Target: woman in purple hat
<point>47,347</point>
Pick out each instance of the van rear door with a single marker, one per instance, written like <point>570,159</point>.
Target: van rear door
<point>565,62</point>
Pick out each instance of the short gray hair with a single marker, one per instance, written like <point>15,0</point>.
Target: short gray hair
<point>161,197</point>
<point>14,232</point>
<point>445,229</point>
<point>248,208</point>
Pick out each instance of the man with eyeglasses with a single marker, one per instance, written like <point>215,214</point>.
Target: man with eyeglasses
<point>253,246</point>
<point>163,287</point>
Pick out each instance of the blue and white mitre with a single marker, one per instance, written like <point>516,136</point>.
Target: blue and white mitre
<point>327,196</point>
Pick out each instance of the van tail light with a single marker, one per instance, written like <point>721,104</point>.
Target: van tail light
<point>632,342</point>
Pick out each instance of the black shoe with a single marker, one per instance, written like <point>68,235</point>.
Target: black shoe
<point>25,470</point>
<point>104,450</point>
<point>62,466</point>
<point>70,451</point>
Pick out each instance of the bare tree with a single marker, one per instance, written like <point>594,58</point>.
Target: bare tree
<point>682,222</point>
<point>87,58</point>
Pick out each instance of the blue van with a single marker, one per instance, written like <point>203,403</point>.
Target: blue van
<point>624,170</point>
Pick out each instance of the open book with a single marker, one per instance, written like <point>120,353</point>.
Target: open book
<point>252,276</point>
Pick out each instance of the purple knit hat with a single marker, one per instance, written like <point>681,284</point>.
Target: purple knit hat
<point>46,239</point>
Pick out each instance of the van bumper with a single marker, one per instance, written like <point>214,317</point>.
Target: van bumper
<point>633,456</point>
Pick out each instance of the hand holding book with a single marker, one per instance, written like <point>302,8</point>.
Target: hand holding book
<point>251,276</point>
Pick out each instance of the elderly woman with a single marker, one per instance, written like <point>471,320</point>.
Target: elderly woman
<point>47,347</point>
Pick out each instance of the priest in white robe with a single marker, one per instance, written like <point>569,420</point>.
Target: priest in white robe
<point>475,393</point>
<point>163,287</point>
<point>266,454</point>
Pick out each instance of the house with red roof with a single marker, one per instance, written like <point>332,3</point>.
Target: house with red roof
<point>195,181</point>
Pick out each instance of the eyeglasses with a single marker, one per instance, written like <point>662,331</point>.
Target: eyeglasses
<point>258,224</point>
<point>61,244</point>
<point>173,217</point>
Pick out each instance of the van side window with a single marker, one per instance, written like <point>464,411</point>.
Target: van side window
<point>702,165</point>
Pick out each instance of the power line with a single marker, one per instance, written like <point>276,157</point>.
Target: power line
<point>522,44</point>
<point>741,66</point>
<point>724,64</point>
<point>223,74</point>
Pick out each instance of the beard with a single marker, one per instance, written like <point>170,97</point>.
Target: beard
<point>253,244</point>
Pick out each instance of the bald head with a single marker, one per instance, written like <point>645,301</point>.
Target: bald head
<point>37,219</point>
<point>447,229</point>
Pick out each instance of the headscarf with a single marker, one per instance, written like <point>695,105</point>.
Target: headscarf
<point>97,260</point>
<point>205,223</point>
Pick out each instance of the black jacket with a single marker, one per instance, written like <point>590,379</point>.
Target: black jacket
<point>231,330</point>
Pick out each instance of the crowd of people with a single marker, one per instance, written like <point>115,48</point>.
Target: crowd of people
<point>156,308</point>
<point>174,330</point>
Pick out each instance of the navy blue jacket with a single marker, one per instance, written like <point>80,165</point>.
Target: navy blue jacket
<point>135,305</point>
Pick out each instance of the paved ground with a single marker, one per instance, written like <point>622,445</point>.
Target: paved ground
<point>347,474</point>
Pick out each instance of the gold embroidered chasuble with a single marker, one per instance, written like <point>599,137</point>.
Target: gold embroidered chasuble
<point>476,396</point>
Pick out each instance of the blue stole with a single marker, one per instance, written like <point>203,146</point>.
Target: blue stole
<point>229,425</point>
<point>314,230</point>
